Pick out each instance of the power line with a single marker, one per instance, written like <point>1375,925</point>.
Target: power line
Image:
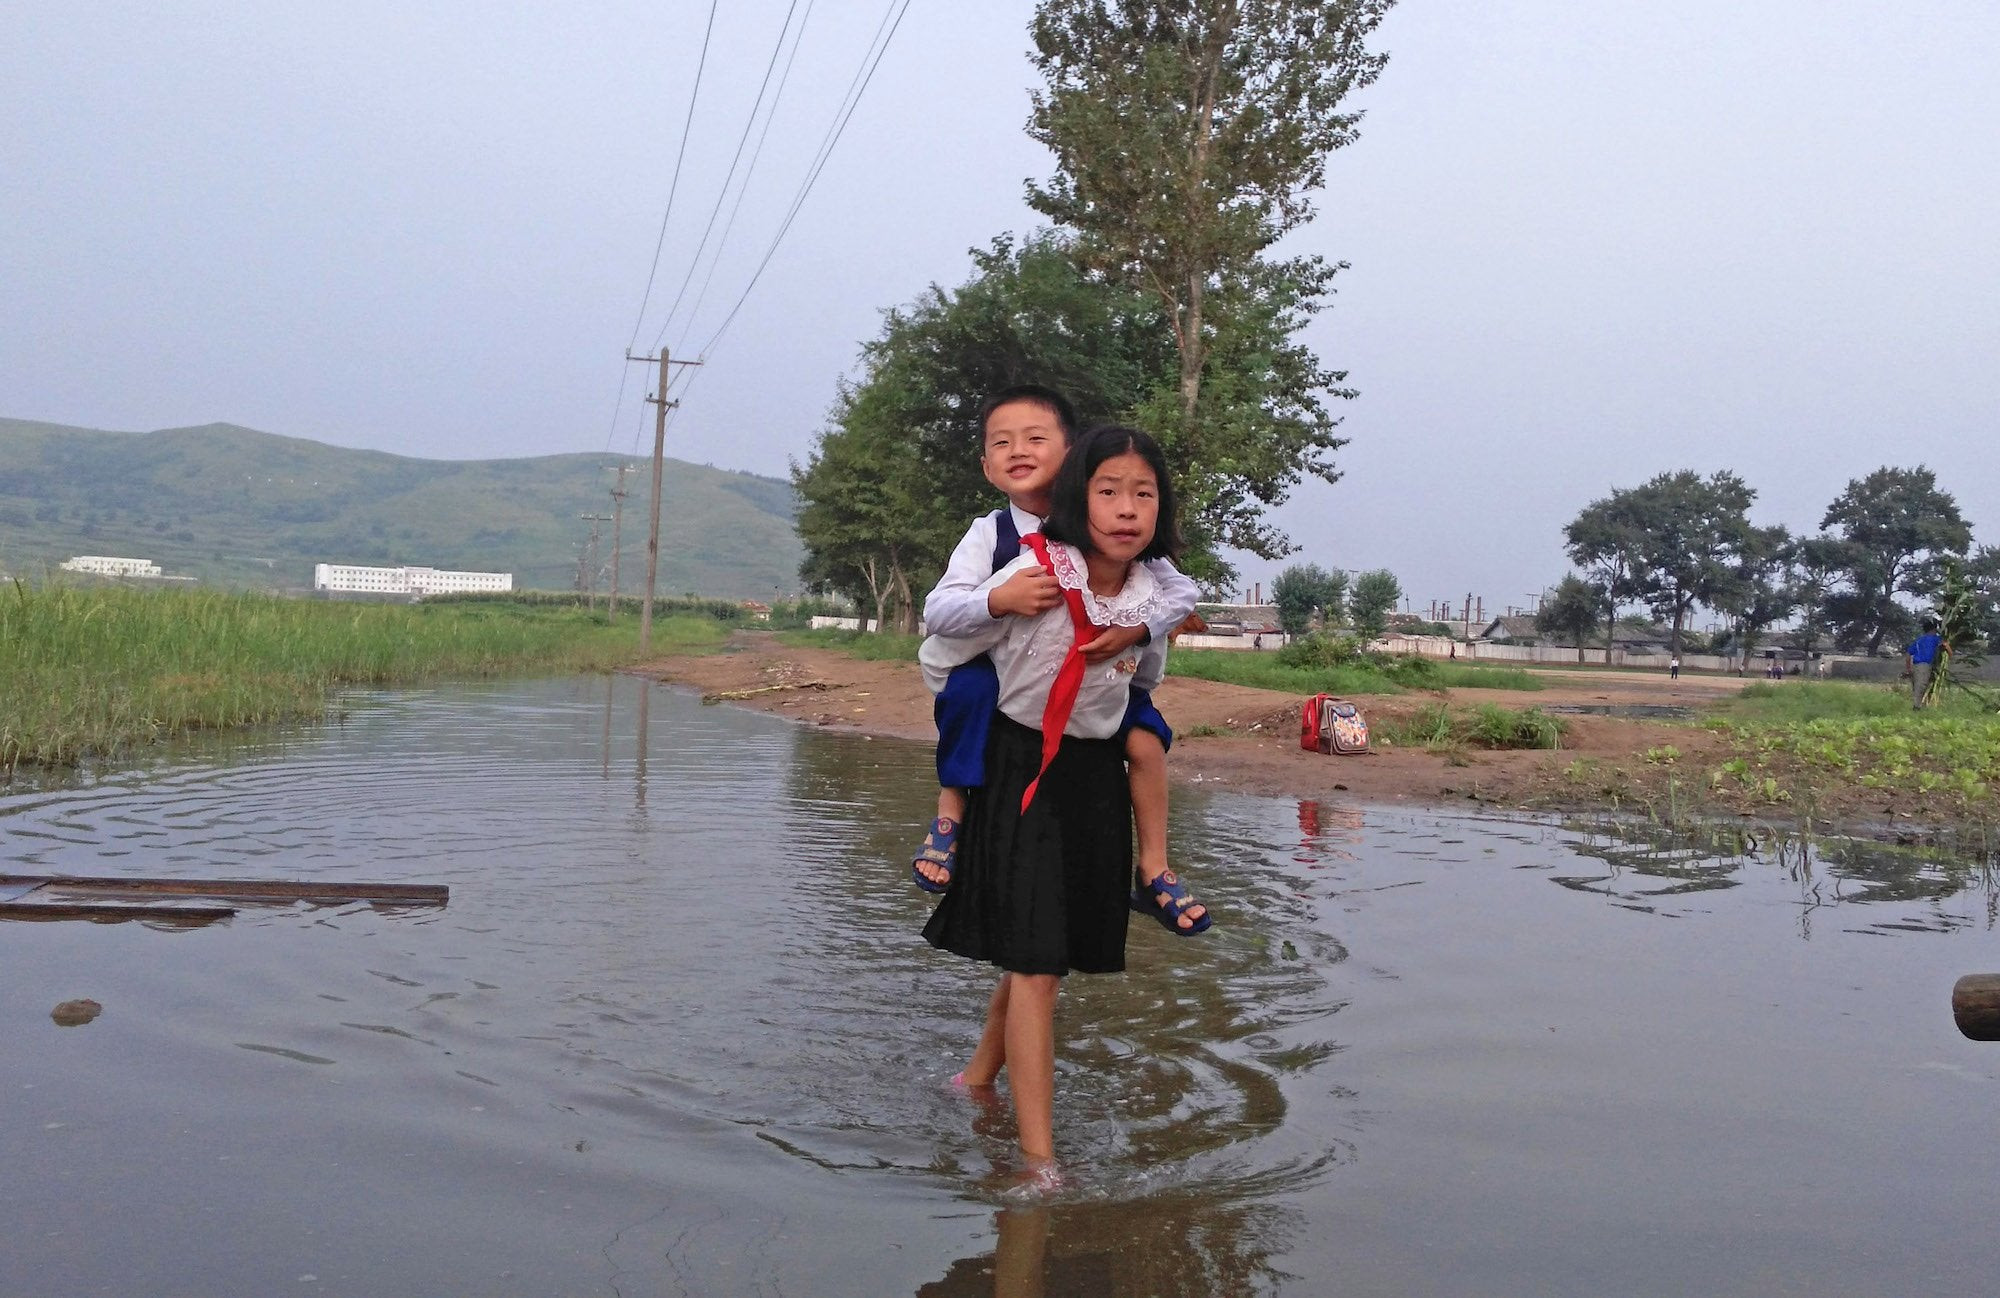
<point>673,187</point>
<point>694,312</point>
<point>722,195</point>
<point>819,164</point>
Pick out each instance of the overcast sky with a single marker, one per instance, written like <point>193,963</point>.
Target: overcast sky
<point>1590,242</point>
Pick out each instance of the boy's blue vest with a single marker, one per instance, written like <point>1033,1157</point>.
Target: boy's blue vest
<point>1006,539</point>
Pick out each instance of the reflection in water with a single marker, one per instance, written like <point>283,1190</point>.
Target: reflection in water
<point>1652,862</point>
<point>677,1032</point>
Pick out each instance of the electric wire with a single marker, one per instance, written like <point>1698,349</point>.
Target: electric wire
<point>722,195</point>
<point>673,187</point>
<point>701,295</point>
<point>826,151</point>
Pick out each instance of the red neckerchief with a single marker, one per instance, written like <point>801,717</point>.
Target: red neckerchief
<point>1069,678</point>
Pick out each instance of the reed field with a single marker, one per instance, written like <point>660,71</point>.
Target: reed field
<point>88,673</point>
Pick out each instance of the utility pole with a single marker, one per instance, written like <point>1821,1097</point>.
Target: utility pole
<point>591,586</point>
<point>660,407</point>
<point>617,523</point>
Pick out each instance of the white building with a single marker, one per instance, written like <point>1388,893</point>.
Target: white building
<point>347,578</point>
<point>105,565</point>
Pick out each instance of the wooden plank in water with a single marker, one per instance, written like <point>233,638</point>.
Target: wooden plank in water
<point>103,911</point>
<point>409,894</point>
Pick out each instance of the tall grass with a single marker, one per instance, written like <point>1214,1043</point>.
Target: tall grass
<point>86,673</point>
<point>1436,727</point>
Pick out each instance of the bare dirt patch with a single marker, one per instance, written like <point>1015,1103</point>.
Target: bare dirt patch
<point>1256,747</point>
<point>1247,739</point>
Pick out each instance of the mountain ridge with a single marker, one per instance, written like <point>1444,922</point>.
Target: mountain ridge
<point>239,507</point>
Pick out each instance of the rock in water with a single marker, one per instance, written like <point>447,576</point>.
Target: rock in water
<point>74,1014</point>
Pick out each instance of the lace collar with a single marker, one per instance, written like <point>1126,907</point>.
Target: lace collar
<point>1138,604</point>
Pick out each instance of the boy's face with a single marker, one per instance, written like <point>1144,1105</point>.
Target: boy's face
<point>1025,446</point>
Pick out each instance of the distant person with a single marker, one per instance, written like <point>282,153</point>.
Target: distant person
<point>1041,883</point>
<point>1674,668</point>
<point>1920,659</point>
<point>1025,432</point>
<point>1820,666</point>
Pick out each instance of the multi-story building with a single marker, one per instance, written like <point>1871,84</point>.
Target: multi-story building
<point>105,565</point>
<point>354,579</point>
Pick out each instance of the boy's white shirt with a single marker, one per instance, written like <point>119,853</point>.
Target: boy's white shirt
<point>956,606</point>
<point>1028,651</point>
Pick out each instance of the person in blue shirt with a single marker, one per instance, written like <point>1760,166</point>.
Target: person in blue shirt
<point>1922,655</point>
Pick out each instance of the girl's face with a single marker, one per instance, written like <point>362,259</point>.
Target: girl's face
<point>1124,507</point>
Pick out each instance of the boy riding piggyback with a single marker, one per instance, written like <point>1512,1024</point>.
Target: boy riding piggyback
<point>1026,433</point>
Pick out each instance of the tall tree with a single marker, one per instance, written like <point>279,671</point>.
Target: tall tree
<point>1603,540</point>
<point>1569,612</point>
<point>1303,589</point>
<point>1897,528</point>
<point>1675,540</point>
<point>1760,589</point>
<point>1188,137</point>
<point>1818,562</point>
<point>1374,598</point>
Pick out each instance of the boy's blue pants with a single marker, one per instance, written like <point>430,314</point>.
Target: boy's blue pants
<point>964,712</point>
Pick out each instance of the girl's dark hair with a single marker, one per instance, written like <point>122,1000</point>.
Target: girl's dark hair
<point>1053,401</point>
<point>1069,495</point>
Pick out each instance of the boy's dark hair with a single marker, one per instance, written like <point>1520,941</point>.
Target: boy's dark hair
<point>1056,403</point>
<point>1069,494</point>
<point>1930,626</point>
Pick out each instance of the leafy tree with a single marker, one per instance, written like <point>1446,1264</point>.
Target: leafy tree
<point>1817,564</point>
<point>1760,590</point>
<point>1604,542</point>
<point>1895,528</point>
<point>1188,136</point>
<point>1028,314</point>
<point>1983,569</point>
<point>1569,612</point>
<point>1303,588</point>
<point>1671,542</point>
<point>862,516</point>
<point>1375,596</point>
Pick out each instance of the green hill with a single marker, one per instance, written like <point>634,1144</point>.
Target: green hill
<point>236,507</point>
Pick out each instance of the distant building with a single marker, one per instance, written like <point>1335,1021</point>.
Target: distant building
<point>1239,619</point>
<point>353,579</point>
<point>1512,629</point>
<point>104,565</point>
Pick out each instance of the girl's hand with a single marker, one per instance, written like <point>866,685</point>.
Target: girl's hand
<point>1112,643</point>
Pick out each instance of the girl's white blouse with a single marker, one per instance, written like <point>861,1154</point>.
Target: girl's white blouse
<point>1028,651</point>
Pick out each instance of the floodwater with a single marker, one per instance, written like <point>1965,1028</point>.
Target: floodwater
<point>676,1034</point>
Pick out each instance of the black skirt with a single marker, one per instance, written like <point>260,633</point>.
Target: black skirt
<point>1045,892</point>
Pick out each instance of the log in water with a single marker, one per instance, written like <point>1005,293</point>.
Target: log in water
<point>1975,1005</point>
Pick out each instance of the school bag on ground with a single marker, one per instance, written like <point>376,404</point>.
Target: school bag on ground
<point>1332,725</point>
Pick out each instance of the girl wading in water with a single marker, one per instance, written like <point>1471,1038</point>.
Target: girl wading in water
<point>1041,886</point>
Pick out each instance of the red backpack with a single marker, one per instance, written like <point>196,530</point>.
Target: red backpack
<point>1332,725</point>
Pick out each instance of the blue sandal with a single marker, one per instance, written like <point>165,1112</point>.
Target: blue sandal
<point>941,850</point>
<point>1165,898</point>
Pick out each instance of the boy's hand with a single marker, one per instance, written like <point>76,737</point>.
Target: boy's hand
<point>1112,643</point>
<point>1026,593</point>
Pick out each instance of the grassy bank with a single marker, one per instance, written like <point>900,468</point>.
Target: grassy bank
<point>86,674</point>
<point>1790,738</point>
